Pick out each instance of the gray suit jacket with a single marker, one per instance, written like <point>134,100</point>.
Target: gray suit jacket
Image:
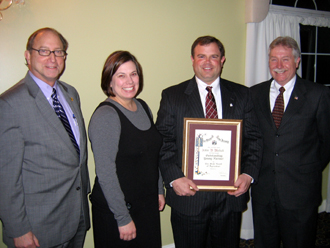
<point>43,182</point>
<point>183,100</point>
<point>295,154</point>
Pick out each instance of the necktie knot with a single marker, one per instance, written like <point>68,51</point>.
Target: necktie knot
<point>209,89</point>
<point>282,89</point>
<point>54,93</point>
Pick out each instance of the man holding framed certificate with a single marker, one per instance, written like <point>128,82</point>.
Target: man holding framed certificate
<point>207,218</point>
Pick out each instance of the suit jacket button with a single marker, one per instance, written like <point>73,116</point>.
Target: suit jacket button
<point>128,205</point>
<point>276,154</point>
<point>78,188</point>
<point>274,171</point>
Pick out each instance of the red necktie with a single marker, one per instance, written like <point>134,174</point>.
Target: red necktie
<point>278,109</point>
<point>210,106</point>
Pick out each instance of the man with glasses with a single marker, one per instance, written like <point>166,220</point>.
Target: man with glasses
<point>43,158</point>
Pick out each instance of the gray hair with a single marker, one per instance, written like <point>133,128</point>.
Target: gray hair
<point>286,42</point>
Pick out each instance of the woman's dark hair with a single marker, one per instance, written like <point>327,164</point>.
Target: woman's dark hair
<point>111,65</point>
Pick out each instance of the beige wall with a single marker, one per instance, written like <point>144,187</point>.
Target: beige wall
<point>159,33</point>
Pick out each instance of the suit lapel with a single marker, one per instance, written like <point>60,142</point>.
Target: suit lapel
<point>48,113</point>
<point>264,104</point>
<point>228,100</point>
<point>194,100</point>
<point>74,104</point>
<point>297,99</point>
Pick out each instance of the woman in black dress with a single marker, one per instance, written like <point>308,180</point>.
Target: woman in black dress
<point>128,190</point>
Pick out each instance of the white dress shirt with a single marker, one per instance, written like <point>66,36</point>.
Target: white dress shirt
<point>275,91</point>
<point>216,93</point>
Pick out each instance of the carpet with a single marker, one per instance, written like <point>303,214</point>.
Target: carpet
<point>322,236</point>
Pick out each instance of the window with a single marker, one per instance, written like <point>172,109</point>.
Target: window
<point>323,5</point>
<point>315,52</point>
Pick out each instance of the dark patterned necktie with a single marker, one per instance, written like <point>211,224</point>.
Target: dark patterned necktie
<point>59,110</point>
<point>210,106</point>
<point>278,109</point>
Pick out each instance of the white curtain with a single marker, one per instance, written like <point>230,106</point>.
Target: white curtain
<point>259,36</point>
<point>280,21</point>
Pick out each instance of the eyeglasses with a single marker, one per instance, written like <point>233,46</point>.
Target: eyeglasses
<point>46,52</point>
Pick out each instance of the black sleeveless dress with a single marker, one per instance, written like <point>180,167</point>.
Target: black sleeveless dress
<point>137,172</point>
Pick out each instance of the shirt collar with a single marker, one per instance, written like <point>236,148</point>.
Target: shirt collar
<point>215,85</point>
<point>46,89</point>
<point>288,86</point>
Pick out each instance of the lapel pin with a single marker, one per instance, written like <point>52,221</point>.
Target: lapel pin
<point>296,98</point>
<point>71,99</point>
<point>231,105</point>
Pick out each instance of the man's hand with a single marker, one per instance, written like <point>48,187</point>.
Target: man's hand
<point>184,187</point>
<point>28,240</point>
<point>127,232</point>
<point>242,184</point>
<point>161,202</point>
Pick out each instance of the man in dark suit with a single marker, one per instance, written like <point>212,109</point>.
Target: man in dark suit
<point>206,219</point>
<point>44,179</point>
<point>286,197</point>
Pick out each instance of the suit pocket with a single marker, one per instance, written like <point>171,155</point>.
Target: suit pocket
<point>40,199</point>
<point>310,167</point>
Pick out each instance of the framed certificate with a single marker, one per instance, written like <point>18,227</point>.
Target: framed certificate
<point>212,152</point>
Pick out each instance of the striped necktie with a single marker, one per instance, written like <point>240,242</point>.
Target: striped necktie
<point>278,109</point>
<point>59,110</point>
<point>210,106</point>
